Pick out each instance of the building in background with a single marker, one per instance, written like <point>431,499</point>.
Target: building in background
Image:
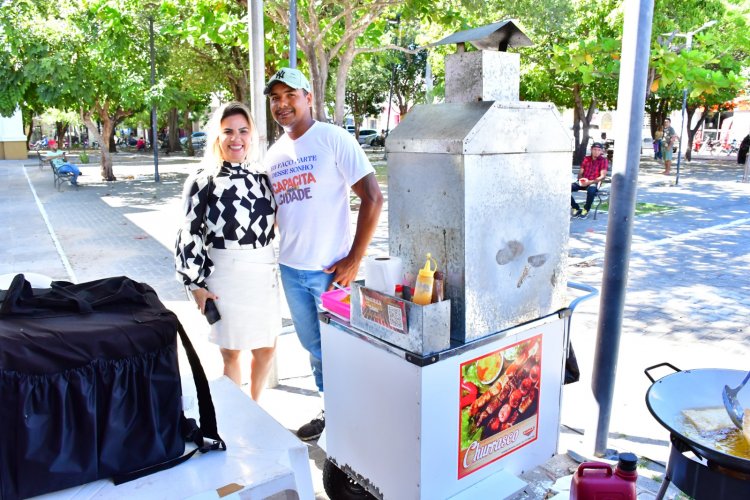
<point>12,138</point>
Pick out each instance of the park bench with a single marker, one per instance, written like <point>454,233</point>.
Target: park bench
<point>60,177</point>
<point>44,159</point>
<point>602,194</point>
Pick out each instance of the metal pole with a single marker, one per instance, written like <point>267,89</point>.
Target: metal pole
<point>258,108</point>
<point>292,33</point>
<point>682,132</point>
<point>257,72</point>
<point>154,135</point>
<point>688,46</point>
<point>390,99</point>
<point>393,77</point>
<point>631,102</point>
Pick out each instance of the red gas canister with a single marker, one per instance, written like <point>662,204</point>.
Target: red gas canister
<point>597,480</point>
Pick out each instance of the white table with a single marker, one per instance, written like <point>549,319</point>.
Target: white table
<point>262,459</point>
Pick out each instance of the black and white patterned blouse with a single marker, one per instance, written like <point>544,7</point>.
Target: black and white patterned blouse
<point>241,214</point>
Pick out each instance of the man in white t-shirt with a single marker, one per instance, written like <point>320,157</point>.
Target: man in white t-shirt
<point>312,167</point>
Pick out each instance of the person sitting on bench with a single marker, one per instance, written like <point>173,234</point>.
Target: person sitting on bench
<point>54,152</point>
<point>593,171</point>
<point>69,168</point>
<point>64,167</point>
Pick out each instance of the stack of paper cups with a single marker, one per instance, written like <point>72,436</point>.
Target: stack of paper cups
<point>383,273</point>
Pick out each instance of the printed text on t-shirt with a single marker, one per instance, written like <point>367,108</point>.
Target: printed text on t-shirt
<point>291,179</point>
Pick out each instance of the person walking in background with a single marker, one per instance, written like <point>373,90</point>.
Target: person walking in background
<point>224,248</point>
<point>657,144</point>
<point>312,167</point>
<point>667,141</point>
<point>593,171</point>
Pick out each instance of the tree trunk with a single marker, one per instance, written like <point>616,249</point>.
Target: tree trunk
<point>319,75</point>
<point>112,142</point>
<point>188,126</point>
<point>345,63</point>
<point>108,124</point>
<point>93,133</point>
<point>60,134</point>
<point>104,147</point>
<point>689,112</point>
<point>241,83</point>
<point>581,124</point>
<point>691,131</point>
<point>173,122</point>
<point>318,62</point>
<point>27,118</point>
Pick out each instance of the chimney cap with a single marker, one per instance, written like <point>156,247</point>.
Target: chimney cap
<point>497,36</point>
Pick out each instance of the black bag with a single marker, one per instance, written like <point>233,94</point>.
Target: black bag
<point>90,386</point>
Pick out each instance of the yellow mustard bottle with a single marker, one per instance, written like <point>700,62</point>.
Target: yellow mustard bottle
<point>425,280</point>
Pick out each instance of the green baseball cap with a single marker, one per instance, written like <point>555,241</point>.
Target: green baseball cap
<point>289,76</point>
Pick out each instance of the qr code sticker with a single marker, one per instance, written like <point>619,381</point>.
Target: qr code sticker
<point>395,318</point>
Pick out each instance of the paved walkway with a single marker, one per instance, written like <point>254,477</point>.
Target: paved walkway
<point>688,286</point>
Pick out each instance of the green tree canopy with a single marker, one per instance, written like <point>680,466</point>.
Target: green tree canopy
<point>366,89</point>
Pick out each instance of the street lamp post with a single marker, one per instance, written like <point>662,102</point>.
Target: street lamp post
<point>293,33</point>
<point>154,134</point>
<point>397,22</point>
<point>688,45</point>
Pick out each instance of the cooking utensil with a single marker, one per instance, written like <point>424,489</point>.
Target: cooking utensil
<point>690,389</point>
<point>734,408</point>
<point>347,290</point>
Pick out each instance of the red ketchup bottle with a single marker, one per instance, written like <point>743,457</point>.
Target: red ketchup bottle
<point>597,480</point>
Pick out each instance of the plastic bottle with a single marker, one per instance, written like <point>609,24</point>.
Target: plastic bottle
<point>423,286</point>
<point>597,480</point>
<point>438,287</point>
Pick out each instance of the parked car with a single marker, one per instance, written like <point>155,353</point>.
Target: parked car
<point>199,139</point>
<point>366,134</point>
<point>375,140</point>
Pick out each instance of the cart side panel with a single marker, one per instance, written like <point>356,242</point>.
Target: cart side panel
<point>372,405</point>
<point>441,451</point>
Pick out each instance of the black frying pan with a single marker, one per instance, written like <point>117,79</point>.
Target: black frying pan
<point>690,389</point>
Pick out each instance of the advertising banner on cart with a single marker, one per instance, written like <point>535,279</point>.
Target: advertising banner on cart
<point>498,404</point>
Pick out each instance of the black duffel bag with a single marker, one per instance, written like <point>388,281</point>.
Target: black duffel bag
<point>90,386</point>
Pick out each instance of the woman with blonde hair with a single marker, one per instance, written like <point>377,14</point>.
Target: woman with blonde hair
<point>224,250</point>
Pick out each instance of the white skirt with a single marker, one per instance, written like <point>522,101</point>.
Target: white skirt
<point>247,284</point>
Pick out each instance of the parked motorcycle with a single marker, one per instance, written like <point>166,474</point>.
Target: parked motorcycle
<point>711,146</point>
<point>730,148</point>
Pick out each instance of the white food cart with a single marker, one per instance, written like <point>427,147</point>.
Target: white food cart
<point>457,398</point>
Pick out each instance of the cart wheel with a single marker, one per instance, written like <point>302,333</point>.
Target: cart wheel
<point>339,486</point>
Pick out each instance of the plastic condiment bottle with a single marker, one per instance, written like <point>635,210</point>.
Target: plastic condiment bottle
<point>438,287</point>
<point>423,286</point>
<point>597,480</point>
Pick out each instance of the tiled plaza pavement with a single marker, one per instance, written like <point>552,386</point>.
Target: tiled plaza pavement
<point>688,285</point>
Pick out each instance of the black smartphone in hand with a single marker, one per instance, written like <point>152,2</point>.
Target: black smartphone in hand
<point>211,312</point>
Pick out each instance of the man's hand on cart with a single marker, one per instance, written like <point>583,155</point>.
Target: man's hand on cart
<point>344,271</point>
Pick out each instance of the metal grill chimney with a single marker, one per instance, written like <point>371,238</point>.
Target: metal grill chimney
<point>490,74</point>
<point>482,182</point>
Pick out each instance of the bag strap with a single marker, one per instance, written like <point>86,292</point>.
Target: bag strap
<point>190,430</point>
